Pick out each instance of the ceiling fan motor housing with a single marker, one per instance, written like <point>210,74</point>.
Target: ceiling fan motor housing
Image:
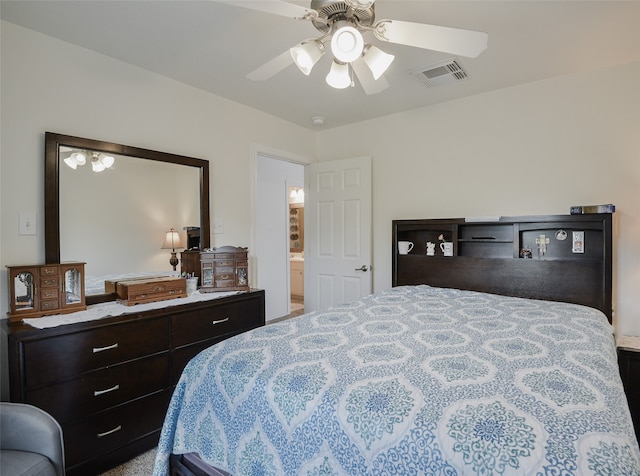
<point>333,11</point>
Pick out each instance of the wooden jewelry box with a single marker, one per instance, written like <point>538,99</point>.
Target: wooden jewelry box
<point>150,290</point>
<point>45,289</point>
<point>224,268</point>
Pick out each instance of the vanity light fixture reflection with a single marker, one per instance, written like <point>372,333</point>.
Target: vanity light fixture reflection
<point>296,195</point>
<point>171,242</point>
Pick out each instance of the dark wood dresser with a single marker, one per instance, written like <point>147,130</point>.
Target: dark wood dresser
<point>108,382</point>
<point>629,362</point>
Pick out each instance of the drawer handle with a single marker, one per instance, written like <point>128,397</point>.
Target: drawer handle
<point>117,428</point>
<point>102,349</point>
<point>97,393</point>
<point>220,321</point>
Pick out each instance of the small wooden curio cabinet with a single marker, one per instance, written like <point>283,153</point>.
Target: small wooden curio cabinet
<point>41,290</point>
<point>220,269</point>
<point>224,269</point>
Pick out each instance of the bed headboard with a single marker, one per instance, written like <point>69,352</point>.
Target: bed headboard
<point>554,257</point>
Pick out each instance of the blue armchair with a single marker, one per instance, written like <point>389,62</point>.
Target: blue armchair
<point>31,442</point>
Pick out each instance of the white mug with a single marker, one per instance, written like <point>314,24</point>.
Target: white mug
<point>404,247</point>
<point>447,248</point>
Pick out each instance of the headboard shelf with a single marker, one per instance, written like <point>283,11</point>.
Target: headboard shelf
<point>553,257</point>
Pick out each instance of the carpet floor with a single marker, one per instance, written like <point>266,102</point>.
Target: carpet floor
<point>141,465</point>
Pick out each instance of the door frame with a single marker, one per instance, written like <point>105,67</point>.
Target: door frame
<point>278,154</point>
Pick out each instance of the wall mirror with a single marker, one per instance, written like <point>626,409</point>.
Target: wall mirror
<point>115,220</point>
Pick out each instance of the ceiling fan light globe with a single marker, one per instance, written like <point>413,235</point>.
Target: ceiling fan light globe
<point>79,158</point>
<point>107,160</point>
<point>347,44</point>
<point>97,166</point>
<point>306,55</point>
<point>338,76</point>
<point>360,3</point>
<point>377,60</point>
<point>71,163</point>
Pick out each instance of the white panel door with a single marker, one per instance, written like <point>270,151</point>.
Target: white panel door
<point>337,232</point>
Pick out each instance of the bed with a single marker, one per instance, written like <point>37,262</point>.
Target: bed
<point>417,379</point>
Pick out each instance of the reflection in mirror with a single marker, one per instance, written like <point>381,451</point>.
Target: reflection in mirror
<point>23,286</point>
<point>115,220</point>
<point>111,207</point>
<point>73,286</point>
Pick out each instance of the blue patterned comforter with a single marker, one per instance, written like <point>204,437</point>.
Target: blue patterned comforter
<point>414,380</point>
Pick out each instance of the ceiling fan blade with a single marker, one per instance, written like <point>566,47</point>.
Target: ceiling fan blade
<point>432,37</point>
<point>276,7</point>
<point>368,83</point>
<point>271,68</point>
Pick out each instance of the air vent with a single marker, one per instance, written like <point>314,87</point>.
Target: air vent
<point>438,74</point>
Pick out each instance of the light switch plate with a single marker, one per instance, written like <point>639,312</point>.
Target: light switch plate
<point>578,242</point>
<point>27,223</point>
<point>218,226</point>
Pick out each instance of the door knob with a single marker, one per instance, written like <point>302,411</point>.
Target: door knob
<point>362,268</point>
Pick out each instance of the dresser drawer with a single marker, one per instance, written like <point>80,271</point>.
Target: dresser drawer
<point>50,282</point>
<point>157,293</point>
<point>115,428</point>
<point>182,356</point>
<point>49,270</point>
<point>65,356</point>
<point>102,389</point>
<point>49,293</point>
<point>218,321</point>
<point>50,305</point>
<point>225,281</point>
<point>222,263</point>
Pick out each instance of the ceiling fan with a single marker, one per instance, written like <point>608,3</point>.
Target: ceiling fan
<point>341,24</point>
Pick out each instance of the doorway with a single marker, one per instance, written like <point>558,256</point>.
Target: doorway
<point>296,249</point>
<point>276,245</point>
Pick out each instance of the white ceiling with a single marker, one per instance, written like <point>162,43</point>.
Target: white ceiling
<point>213,46</point>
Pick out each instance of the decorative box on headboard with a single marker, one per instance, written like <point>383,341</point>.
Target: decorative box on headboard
<point>219,269</point>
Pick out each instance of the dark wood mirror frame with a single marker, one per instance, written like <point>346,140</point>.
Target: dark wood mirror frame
<point>54,141</point>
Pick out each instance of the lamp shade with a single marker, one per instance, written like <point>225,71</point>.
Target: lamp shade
<point>172,240</point>
<point>338,76</point>
<point>306,55</point>
<point>347,44</point>
<point>377,60</point>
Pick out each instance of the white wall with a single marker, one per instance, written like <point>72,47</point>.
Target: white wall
<point>533,149</point>
<point>49,85</point>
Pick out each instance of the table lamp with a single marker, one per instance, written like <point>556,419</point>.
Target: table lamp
<point>171,242</point>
